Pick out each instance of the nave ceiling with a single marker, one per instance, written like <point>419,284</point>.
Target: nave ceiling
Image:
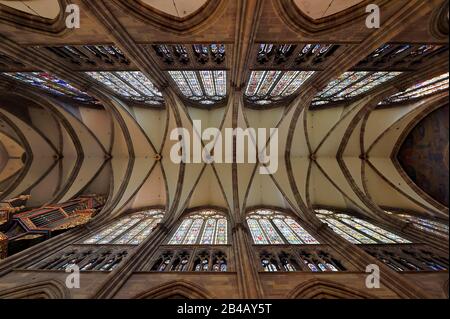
<point>341,156</point>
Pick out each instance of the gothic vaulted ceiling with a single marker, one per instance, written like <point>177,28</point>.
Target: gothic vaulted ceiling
<point>90,110</point>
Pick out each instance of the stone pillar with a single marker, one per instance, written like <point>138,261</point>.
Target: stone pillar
<point>247,269</point>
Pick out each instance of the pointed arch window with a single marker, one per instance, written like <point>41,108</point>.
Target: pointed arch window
<point>428,225</point>
<point>129,230</point>
<point>358,231</point>
<point>204,87</point>
<point>423,89</point>
<point>269,227</point>
<point>131,85</point>
<point>52,84</point>
<point>207,227</point>
<point>350,85</point>
<point>267,87</point>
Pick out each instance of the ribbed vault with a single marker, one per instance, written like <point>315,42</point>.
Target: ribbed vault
<point>341,156</point>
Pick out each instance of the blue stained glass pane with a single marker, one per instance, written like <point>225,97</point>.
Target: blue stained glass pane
<point>260,223</point>
<point>51,84</point>
<point>351,85</point>
<point>312,267</point>
<point>140,237</point>
<point>128,236</point>
<point>323,267</point>
<point>147,85</point>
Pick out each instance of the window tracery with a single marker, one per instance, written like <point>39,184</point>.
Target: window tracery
<point>53,85</point>
<point>311,260</point>
<point>191,55</point>
<point>131,85</point>
<point>428,225</point>
<point>197,260</point>
<point>91,57</point>
<point>307,56</point>
<point>400,56</point>
<point>204,87</point>
<point>207,227</point>
<point>420,90</point>
<point>87,259</point>
<point>129,230</point>
<point>351,85</point>
<point>409,257</point>
<point>269,227</point>
<point>267,87</point>
<point>356,230</point>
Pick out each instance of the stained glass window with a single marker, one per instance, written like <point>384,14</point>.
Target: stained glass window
<point>51,84</point>
<point>428,225</point>
<point>420,90</point>
<point>207,227</point>
<point>358,231</point>
<point>130,230</point>
<point>266,87</point>
<point>204,87</point>
<point>269,227</point>
<point>132,85</point>
<point>351,85</point>
<point>403,56</point>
